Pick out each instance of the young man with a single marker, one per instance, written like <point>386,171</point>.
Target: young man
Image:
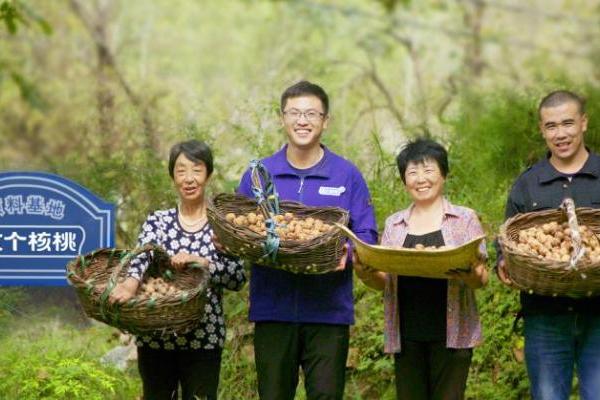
<point>560,332</point>
<point>303,320</point>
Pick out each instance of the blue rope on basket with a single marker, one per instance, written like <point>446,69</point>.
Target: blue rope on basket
<point>267,198</point>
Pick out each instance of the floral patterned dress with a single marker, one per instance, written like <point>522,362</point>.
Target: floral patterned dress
<point>162,228</point>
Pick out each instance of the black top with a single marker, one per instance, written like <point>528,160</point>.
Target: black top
<point>542,187</point>
<point>422,301</point>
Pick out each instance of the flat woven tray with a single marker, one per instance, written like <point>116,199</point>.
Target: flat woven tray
<point>412,262</point>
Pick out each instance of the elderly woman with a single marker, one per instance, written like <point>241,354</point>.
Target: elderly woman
<point>192,359</point>
<point>431,325</point>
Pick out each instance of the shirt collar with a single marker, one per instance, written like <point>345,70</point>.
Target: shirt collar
<point>282,166</point>
<point>591,167</point>
<point>450,210</point>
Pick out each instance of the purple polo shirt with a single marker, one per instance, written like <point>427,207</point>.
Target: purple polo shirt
<point>327,298</point>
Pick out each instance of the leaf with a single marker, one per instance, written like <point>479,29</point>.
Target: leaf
<point>29,92</point>
<point>9,13</point>
<point>12,12</point>
<point>33,15</point>
<point>391,5</point>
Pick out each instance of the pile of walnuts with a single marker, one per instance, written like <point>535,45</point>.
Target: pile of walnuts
<point>420,246</point>
<point>156,287</point>
<point>553,241</point>
<point>288,226</point>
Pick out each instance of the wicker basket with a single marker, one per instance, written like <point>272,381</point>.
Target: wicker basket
<point>94,276</point>
<point>318,255</point>
<point>543,276</point>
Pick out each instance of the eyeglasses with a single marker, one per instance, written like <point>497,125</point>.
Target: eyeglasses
<point>310,115</point>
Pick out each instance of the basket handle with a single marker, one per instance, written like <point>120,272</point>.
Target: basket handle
<point>112,280</point>
<point>568,206</point>
<point>267,198</point>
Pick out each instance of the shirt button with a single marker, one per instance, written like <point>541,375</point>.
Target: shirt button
<point>534,204</point>
<point>570,308</point>
<point>565,185</point>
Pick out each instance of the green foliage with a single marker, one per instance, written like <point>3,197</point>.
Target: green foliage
<point>371,373</point>
<point>9,298</point>
<point>391,5</point>
<point>15,12</point>
<point>390,76</point>
<point>44,359</point>
<point>10,15</point>
<point>238,373</point>
<point>29,92</point>
<point>493,139</point>
<point>59,378</point>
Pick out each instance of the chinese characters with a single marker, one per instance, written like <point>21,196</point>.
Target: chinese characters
<point>40,240</point>
<point>32,205</point>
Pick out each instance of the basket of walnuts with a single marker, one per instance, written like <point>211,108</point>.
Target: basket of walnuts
<point>553,252</point>
<point>298,239</point>
<point>167,301</point>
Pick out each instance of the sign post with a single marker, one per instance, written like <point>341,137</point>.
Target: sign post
<point>46,221</point>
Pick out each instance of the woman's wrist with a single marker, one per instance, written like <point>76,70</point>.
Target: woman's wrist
<point>366,277</point>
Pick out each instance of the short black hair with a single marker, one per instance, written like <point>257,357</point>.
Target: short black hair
<point>560,97</point>
<point>305,88</point>
<point>418,151</point>
<point>194,150</point>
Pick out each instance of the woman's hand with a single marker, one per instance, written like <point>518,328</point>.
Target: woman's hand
<point>179,260</point>
<point>343,259</point>
<point>370,277</point>
<point>124,291</point>
<point>218,245</point>
<point>474,278</point>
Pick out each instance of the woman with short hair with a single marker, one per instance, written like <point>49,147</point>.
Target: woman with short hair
<point>431,325</point>
<point>192,359</point>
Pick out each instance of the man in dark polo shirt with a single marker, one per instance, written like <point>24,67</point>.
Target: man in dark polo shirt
<point>560,332</point>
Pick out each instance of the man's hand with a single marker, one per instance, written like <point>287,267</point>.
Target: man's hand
<point>502,274</point>
<point>124,291</point>
<point>179,260</point>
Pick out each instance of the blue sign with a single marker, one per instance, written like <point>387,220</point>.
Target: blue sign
<point>46,221</point>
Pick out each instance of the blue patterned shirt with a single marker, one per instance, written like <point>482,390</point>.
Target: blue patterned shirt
<point>162,228</point>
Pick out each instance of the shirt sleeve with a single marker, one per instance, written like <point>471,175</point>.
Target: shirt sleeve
<point>514,202</point>
<point>474,229</point>
<point>362,214</point>
<point>514,206</point>
<point>150,233</point>
<point>386,236</point>
<point>245,186</point>
<point>227,271</point>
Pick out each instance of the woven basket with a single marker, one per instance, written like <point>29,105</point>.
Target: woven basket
<point>94,276</point>
<point>319,255</point>
<point>543,276</point>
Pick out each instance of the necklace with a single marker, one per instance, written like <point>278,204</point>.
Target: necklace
<point>191,224</point>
